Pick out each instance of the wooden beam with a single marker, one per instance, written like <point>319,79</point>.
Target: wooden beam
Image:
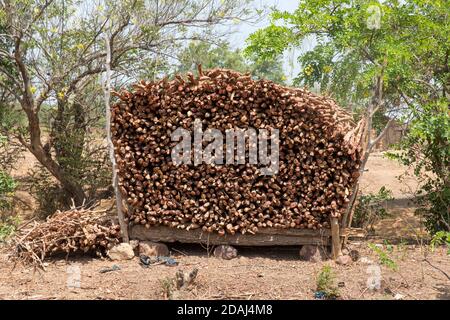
<point>264,237</point>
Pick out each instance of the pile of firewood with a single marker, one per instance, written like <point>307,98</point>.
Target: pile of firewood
<point>66,232</point>
<point>318,163</point>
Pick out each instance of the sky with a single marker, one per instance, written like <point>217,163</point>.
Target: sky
<point>244,29</point>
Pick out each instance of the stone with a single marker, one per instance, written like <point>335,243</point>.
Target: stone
<point>344,260</point>
<point>365,260</point>
<point>225,252</point>
<point>153,249</point>
<point>122,251</point>
<point>311,253</point>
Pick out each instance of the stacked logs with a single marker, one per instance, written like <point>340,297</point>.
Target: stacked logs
<point>318,163</point>
<point>75,230</point>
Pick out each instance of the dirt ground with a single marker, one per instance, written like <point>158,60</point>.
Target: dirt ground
<point>257,273</point>
<point>274,273</point>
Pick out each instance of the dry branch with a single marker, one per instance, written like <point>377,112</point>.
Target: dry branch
<point>67,232</point>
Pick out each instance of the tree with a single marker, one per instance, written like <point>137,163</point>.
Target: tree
<point>403,45</point>
<point>355,38</point>
<point>57,52</point>
<point>222,56</point>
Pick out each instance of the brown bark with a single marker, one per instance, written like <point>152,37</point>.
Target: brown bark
<point>37,149</point>
<point>31,108</point>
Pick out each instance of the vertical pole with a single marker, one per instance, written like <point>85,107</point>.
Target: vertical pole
<point>335,238</point>
<point>119,204</point>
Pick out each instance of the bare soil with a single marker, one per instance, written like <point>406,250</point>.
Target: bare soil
<point>257,273</point>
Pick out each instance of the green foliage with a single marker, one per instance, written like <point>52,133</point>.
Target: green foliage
<point>389,247</point>
<point>371,208</point>
<point>210,56</point>
<point>384,256</point>
<point>222,56</point>
<point>47,192</point>
<point>8,224</point>
<point>412,40</point>
<point>7,227</point>
<point>268,43</point>
<point>441,238</point>
<point>52,59</point>
<point>7,187</point>
<point>326,283</point>
<point>89,167</point>
<point>427,149</point>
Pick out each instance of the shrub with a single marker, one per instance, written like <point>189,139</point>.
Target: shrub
<point>384,257</point>
<point>371,208</point>
<point>88,166</point>
<point>441,238</point>
<point>7,227</point>
<point>7,187</point>
<point>326,283</point>
<point>8,224</point>
<point>427,149</point>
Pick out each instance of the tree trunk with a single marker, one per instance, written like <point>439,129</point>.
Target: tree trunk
<point>36,148</point>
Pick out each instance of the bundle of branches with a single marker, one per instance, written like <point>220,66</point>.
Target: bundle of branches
<point>65,232</point>
<point>319,155</point>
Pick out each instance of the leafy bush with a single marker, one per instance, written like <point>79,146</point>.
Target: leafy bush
<point>384,257</point>
<point>90,169</point>
<point>76,143</point>
<point>7,227</point>
<point>441,238</point>
<point>326,283</point>
<point>49,195</point>
<point>427,149</point>
<point>8,224</point>
<point>7,187</point>
<point>371,208</point>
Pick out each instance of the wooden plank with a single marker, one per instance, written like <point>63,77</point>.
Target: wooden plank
<point>264,237</point>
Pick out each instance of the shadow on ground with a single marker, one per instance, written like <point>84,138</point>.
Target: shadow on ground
<point>444,291</point>
<point>286,253</point>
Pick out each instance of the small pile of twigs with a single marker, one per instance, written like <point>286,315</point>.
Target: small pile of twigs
<point>75,230</point>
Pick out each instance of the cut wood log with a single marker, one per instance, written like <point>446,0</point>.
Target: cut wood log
<point>319,156</point>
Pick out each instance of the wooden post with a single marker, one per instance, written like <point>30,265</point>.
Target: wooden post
<point>115,179</point>
<point>335,238</point>
<point>348,216</point>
